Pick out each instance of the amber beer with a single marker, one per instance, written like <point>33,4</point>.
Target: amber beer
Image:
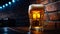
<point>36,14</point>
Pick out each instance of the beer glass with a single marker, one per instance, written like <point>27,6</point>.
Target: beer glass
<point>36,14</point>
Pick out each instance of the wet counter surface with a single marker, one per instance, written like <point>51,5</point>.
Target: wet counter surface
<point>24,30</point>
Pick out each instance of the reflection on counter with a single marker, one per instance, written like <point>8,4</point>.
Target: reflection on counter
<point>6,30</point>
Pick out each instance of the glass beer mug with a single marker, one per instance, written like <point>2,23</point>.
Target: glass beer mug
<point>36,14</point>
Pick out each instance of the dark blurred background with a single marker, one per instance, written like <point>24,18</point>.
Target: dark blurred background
<point>16,14</point>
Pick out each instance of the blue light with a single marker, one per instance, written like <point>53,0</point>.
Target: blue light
<point>5,33</point>
<point>13,1</point>
<point>29,32</point>
<point>9,2</point>
<point>6,4</point>
<point>5,29</point>
<point>3,6</point>
<point>0,7</point>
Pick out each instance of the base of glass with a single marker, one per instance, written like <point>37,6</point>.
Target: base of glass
<point>37,29</point>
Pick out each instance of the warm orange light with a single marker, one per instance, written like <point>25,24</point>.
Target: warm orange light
<point>37,27</point>
<point>36,14</point>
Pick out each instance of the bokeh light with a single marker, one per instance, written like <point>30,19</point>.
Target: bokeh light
<point>3,6</point>
<point>7,4</point>
<point>0,7</point>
